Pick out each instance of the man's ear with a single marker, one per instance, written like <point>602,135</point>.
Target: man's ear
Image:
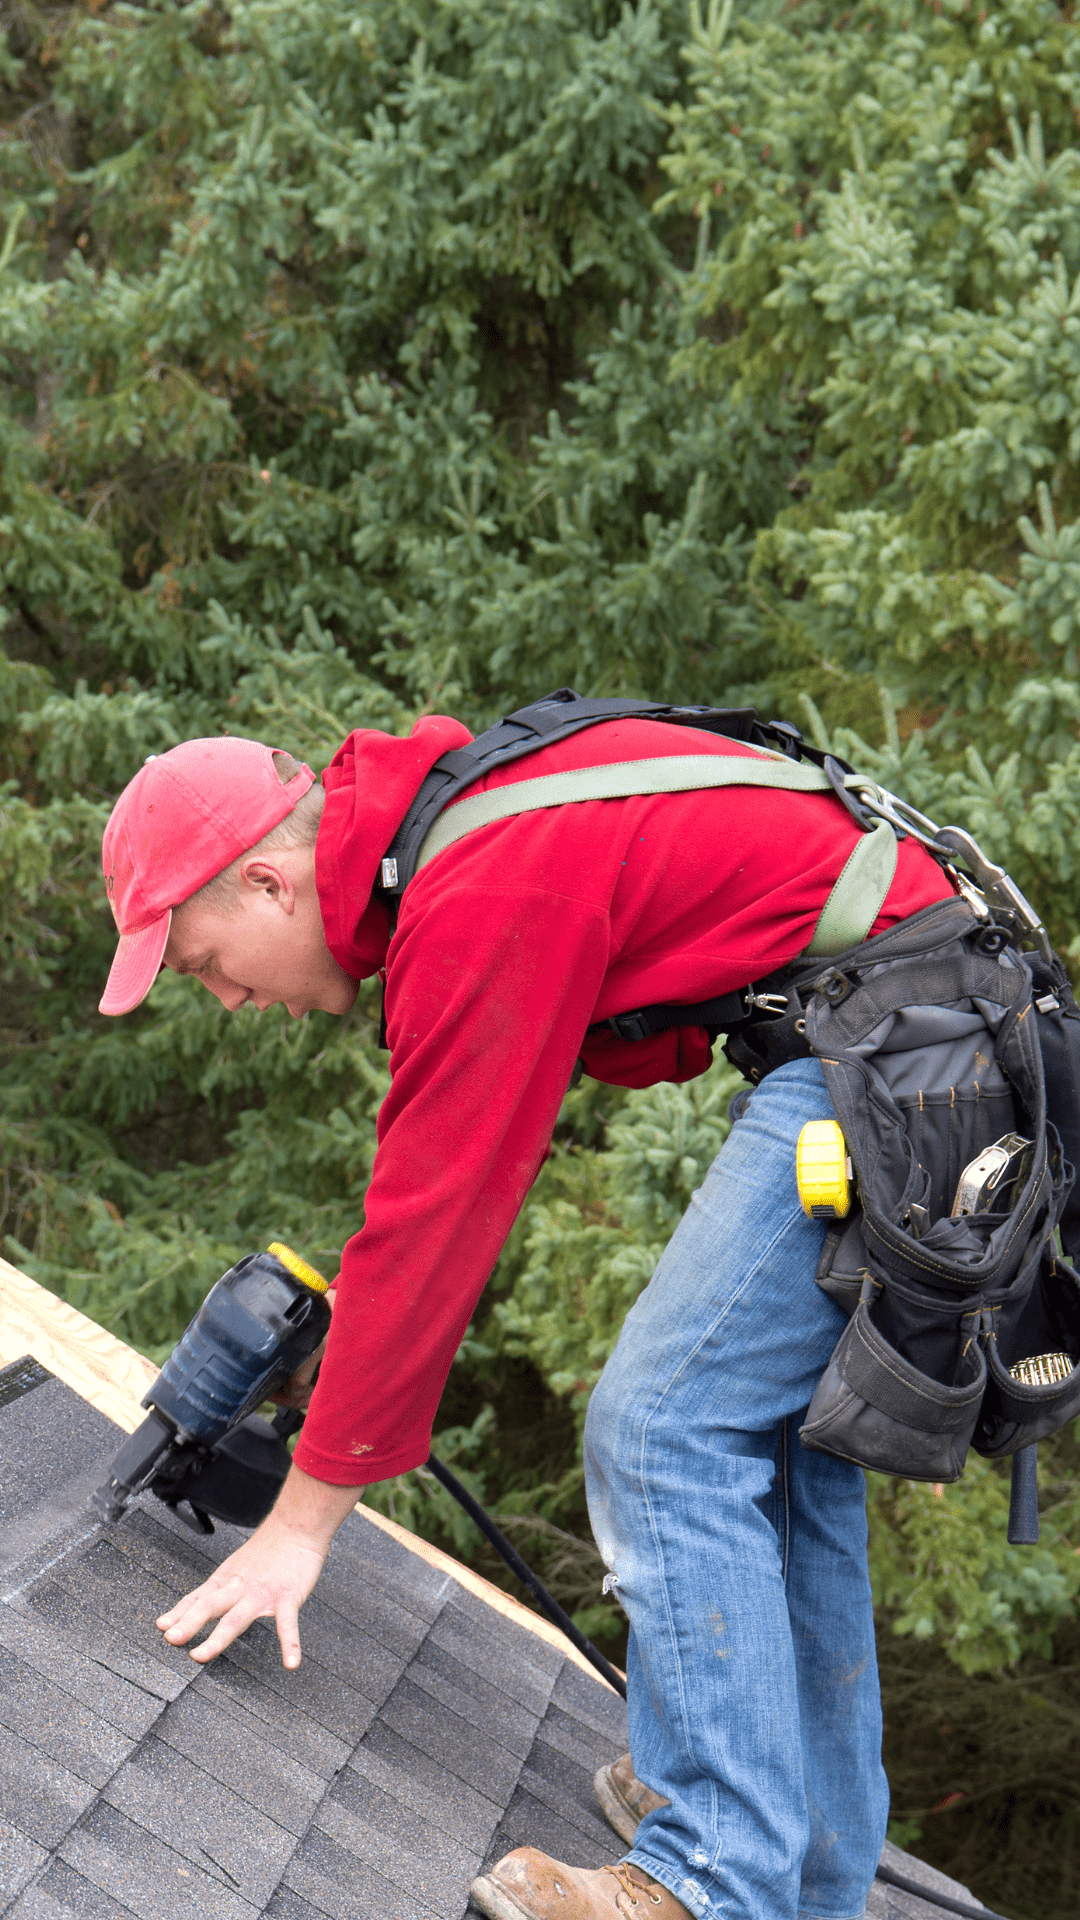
<point>265,876</point>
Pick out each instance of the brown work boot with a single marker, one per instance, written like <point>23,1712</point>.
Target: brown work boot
<point>529,1886</point>
<point>624,1802</point>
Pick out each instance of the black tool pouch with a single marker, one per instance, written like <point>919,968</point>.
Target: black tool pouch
<point>873,1406</point>
<point>927,1040</point>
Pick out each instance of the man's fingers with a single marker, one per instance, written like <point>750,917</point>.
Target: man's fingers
<point>298,1389</point>
<point>234,1609</point>
<point>288,1631</point>
<point>191,1614</point>
<point>224,1601</point>
<point>293,1395</point>
<point>269,1577</point>
<point>229,1628</point>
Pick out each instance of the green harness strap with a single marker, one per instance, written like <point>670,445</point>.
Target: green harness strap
<point>852,906</point>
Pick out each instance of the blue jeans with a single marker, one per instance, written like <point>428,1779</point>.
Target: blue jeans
<point>740,1558</point>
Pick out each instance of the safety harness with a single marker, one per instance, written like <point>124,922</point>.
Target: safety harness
<point>786,763</point>
<point>935,1039</point>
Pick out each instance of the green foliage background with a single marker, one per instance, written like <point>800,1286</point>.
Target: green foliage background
<point>363,360</point>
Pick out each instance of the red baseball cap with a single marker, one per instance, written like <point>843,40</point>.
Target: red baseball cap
<point>186,816</point>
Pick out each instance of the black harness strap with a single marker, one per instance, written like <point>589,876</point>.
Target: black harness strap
<point>717,1016</point>
<point>556,717</point>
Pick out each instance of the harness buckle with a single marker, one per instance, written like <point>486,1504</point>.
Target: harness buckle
<point>835,771</point>
<point>630,1026</point>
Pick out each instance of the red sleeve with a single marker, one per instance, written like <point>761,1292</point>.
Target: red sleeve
<point>483,1033</point>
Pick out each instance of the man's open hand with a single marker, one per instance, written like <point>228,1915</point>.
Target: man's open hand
<point>269,1577</point>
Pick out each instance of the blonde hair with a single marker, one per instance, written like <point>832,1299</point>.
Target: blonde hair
<point>300,828</point>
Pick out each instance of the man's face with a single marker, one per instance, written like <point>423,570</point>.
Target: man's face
<point>263,943</point>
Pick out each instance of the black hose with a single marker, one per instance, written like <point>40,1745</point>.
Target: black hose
<point>525,1574</point>
<point>904,1884</point>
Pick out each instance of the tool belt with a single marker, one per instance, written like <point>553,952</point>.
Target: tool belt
<point>935,1039</point>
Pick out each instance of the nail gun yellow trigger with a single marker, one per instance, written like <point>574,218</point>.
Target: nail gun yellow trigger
<point>823,1171</point>
<point>310,1276</point>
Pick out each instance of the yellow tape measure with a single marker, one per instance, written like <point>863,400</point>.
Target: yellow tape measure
<point>823,1171</point>
<point>299,1269</point>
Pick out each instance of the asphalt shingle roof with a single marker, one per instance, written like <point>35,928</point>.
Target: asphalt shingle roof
<point>423,1736</point>
<point>421,1728</point>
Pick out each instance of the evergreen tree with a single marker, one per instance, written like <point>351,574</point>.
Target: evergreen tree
<point>362,362</point>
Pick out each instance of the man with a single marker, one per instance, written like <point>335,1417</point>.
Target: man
<point>739,1557</point>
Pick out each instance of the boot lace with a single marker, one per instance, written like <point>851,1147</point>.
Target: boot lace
<point>629,1888</point>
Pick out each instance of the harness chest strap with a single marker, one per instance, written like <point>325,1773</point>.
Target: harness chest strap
<point>851,908</point>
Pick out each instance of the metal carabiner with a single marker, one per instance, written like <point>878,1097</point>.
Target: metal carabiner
<point>1000,890</point>
<point>768,1002</point>
<point>995,886</point>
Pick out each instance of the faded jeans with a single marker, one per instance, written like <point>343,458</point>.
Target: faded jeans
<point>740,1558</point>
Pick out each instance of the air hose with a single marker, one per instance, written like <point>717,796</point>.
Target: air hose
<point>561,1619</point>
<point>525,1574</point>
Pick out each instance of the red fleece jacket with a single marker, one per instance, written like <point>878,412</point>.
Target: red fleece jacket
<point>508,945</point>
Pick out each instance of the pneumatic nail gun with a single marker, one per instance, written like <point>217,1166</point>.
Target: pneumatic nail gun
<point>203,1446</point>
